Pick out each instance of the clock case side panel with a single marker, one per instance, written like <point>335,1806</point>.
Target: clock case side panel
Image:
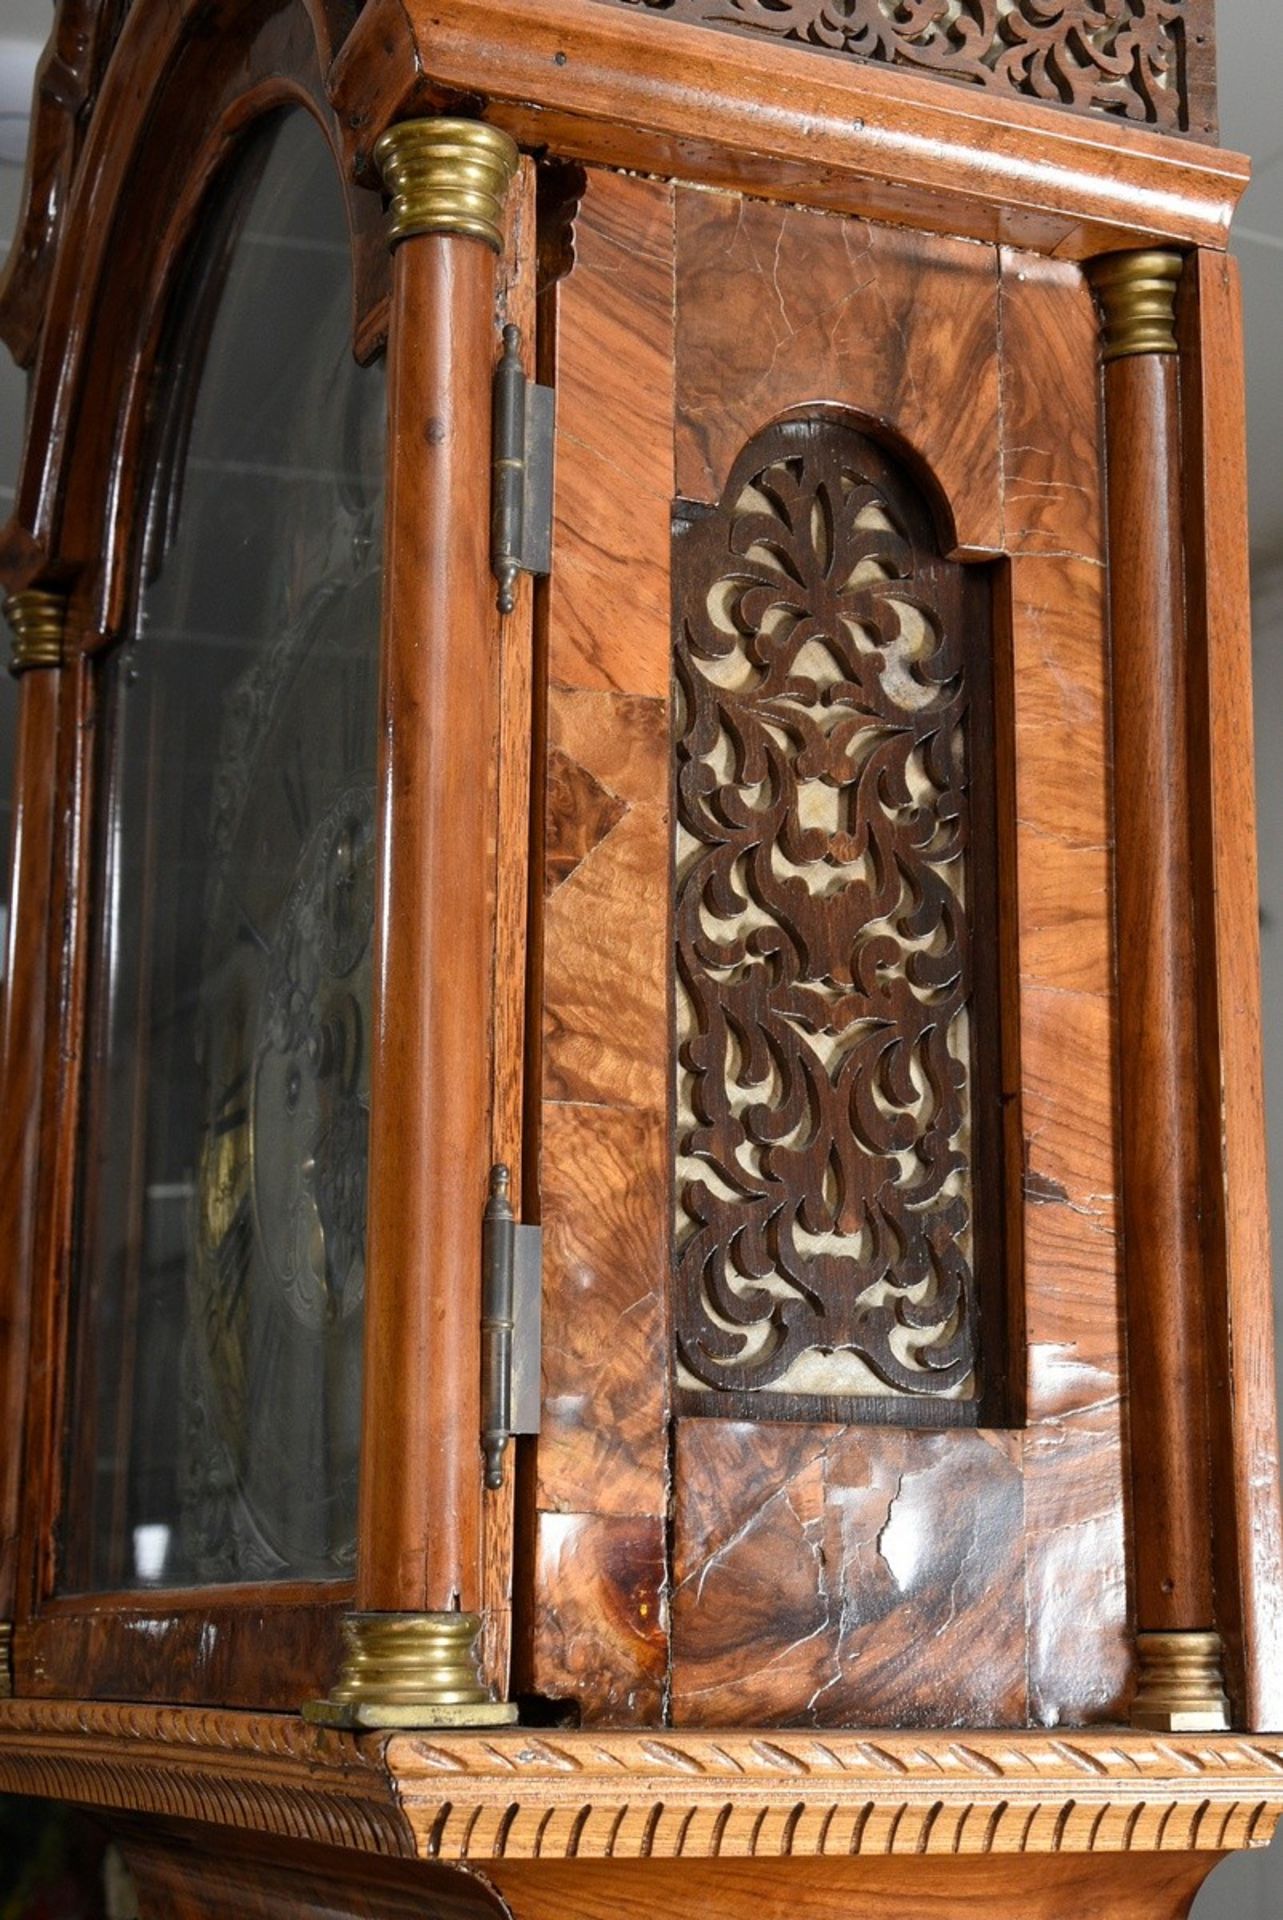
<point>855,1633</point>
<point>591,1622</point>
<point>82,498</point>
<point>751,1507</point>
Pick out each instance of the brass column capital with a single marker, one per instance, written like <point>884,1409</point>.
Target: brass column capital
<point>38,619</point>
<point>446,176</point>
<point>410,1670</point>
<point>1137,294</point>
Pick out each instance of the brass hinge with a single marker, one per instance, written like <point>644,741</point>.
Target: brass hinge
<point>511,1326</point>
<point>521,505</point>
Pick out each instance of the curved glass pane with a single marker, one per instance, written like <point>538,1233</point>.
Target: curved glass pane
<point>220,1260</point>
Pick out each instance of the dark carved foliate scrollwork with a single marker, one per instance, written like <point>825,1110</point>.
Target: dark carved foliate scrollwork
<point>1145,60</point>
<point>832,676</point>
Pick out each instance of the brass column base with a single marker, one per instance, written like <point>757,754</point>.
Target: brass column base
<point>6,1660</point>
<point>1181,1687</point>
<point>409,1670</point>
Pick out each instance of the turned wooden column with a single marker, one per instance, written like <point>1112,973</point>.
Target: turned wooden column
<point>410,1644</point>
<point>1181,1684</point>
<point>37,618</point>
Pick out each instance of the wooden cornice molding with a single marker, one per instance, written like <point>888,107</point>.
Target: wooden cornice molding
<point>469,1798</point>
<point>252,1772</point>
<point>658,95</point>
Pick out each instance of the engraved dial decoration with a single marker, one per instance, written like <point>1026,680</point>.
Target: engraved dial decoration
<point>310,1114</point>
<point>277,1277</point>
<point>220,1274</point>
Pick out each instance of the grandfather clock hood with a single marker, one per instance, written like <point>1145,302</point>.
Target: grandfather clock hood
<point>633,1138</point>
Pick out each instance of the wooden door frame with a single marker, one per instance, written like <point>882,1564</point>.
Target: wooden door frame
<point>130,224</point>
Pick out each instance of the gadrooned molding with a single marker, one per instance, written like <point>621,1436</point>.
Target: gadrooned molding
<point>469,1798</point>
<point>523,1796</point>
<point>264,1773</point>
<point>768,1795</point>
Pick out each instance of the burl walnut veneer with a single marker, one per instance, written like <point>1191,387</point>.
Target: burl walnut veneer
<point>828,891</point>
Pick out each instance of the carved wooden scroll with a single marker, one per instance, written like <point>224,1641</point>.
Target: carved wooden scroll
<point>80,43</point>
<point>1150,61</point>
<point>836,1153</point>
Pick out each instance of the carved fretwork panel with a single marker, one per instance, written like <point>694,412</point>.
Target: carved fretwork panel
<point>1150,61</point>
<point>836,1164</point>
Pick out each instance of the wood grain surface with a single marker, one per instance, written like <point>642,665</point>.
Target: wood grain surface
<point>1057,1642</point>
<point>249,1648</point>
<point>597,1520</point>
<point>1245,1447</point>
<point>1078,1603</point>
<point>611,86</point>
<point>789,1565</point>
<point>779,309</point>
<point>994,1889</point>
<point>97,373</point>
<point>740,1794</point>
<point>1169,83</point>
<point>419,1542</point>
<point>26,965</point>
<point>183,1873</point>
<point>516,307</point>
<point>844,1576</point>
<point>787,1602</point>
<point>1166,1312</point>
<point>1051,440</point>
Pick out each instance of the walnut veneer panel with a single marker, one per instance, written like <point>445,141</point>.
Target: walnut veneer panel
<point>905,1889</point>
<point>191,1874</point>
<point>778,308</point>
<point>803,1589</point>
<point>836,1575</point>
<point>597,1629</point>
<point>516,299</point>
<point>844,1576</point>
<point>608,621</point>
<point>1051,409</point>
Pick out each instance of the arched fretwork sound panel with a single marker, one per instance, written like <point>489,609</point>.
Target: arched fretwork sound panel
<point>838,1232</point>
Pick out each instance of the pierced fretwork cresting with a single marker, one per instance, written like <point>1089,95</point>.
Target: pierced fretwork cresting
<point>838,1240</point>
<point>1150,61</point>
